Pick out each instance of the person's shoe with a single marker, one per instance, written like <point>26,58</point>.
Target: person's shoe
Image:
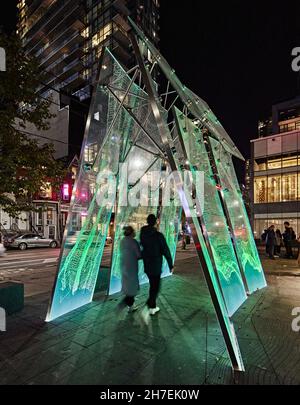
<point>133,308</point>
<point>153,311</point>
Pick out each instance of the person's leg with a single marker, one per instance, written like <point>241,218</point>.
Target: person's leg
<point>129,301</point>
<point>152,296</point>
<point>154,282</point>
<point>289,250</point>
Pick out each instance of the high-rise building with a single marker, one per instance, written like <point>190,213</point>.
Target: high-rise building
<point>275,170</point>
<point>67,36</point>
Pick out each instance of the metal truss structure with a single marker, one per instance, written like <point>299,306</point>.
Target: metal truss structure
<point>138,132</point>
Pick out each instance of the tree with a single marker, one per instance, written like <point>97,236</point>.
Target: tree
<point>25,165</point>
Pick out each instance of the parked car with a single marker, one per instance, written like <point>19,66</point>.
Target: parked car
<point>9,237</point>
<point>31,240</point>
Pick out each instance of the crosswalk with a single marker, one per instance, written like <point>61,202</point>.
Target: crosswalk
<point>16,260</point>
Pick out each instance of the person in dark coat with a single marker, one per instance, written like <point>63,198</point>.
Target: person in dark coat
<point>154,248</point>
<point>130,255</point>
<point>288,236</point>
<point>278,243</point>
<point>271,241</point>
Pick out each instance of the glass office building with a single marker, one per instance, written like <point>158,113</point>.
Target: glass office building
<point>275,171</point>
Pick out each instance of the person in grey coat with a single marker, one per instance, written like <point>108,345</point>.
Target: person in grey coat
<point>130,255</point>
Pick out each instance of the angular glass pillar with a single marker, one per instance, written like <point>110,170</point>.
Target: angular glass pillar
<point>206,257</point>
<point>107,133</point>
<point>216,227</point>
<point>244,240</point>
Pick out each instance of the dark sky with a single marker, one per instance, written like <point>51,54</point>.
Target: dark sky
<point>235,54</point>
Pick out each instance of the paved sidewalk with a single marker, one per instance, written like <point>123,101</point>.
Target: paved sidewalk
<point>182,345</point>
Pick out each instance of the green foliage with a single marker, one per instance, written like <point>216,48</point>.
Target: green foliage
<point>25,165</point>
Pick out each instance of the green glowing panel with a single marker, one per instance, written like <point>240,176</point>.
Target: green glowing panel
<point>202,249</point>
<point>133,208</point>
<point>107,132</point>
<point>245,244</point>
<point>139,183</point>
<point>213,217</point>
<point>220,297</point>
<point>170,220</point>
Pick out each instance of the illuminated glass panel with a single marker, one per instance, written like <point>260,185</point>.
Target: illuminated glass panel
<point>107,132</point>
<point>170,219</point>
<point>134,215</point>
<point>214,220</point>
<point>179,157</point>
<point>245,244</point>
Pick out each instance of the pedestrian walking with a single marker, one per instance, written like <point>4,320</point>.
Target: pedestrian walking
<point>270,241</point>
<point>154,248</point>
<point>130,255</point>
<point>278,242</point>
<point>288,236</point>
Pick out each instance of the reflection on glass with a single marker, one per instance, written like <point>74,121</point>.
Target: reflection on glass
<point>89,215</point>
<point>215,222</point>
<point>244,241</point>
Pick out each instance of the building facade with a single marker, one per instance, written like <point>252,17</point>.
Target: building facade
<point>275,171</point>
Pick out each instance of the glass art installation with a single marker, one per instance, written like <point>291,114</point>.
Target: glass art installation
<point>145,150</point>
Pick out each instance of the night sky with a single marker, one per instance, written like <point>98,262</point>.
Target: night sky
<point>236,55</point>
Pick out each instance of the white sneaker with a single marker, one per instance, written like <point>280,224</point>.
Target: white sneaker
<point>153,311</point>
<point>133,308</point>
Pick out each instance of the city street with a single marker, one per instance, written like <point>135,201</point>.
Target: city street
<point>97,344</point>
<point>36,268</point>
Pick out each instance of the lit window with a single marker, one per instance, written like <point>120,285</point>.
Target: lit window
<point>274,164</point>
<point>260,190</point>
<point>289,187</point>
<point>101,35</point>
<point>274,188</point>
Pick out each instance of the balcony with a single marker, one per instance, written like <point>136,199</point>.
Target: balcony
<point>66,47</point>
<point>58,17</point>
<point>77,79</point>
<point>73,67</point>
<point>65,59</point>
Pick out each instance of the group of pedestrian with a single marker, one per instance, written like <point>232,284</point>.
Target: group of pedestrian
<point>152,248</point>
<point>275,240</point>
